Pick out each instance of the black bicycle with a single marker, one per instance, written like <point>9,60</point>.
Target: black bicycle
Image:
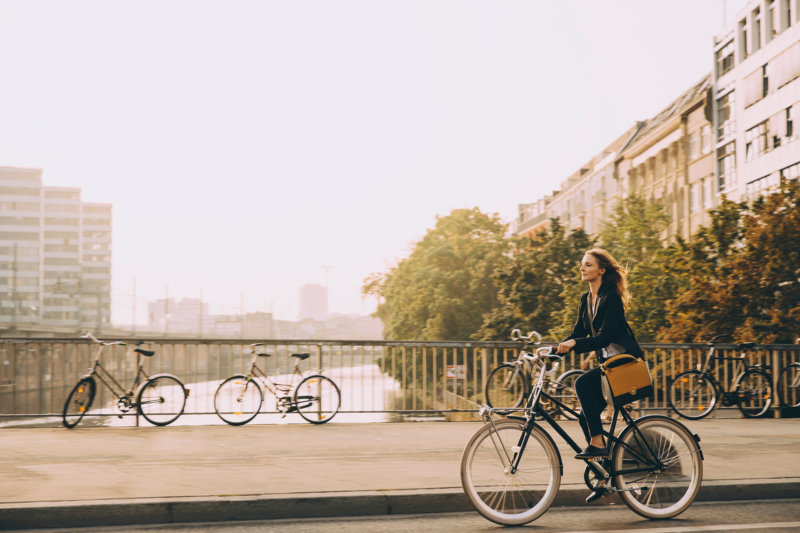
<point>160,398</point>
<point>511,468</point>
<point>695,393</point>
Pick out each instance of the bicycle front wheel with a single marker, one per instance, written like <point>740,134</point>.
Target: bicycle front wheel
<point>566,394</point>
<point>692,395</point>
<point>658,469</point>
<point>497,491</point>
<point>317,399</point>
<point>789,385</point>
<point>238,400</point>
<point>78,402</point>
<point>162,400</point>
<point>754,393</point>
<point>506,388</point>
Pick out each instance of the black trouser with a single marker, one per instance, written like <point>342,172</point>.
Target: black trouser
<point>590,394</point>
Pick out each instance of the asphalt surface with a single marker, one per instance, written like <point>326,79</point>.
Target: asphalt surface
<point>54,477</point>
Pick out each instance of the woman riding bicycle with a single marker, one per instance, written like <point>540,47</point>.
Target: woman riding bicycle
<point>601,327</point>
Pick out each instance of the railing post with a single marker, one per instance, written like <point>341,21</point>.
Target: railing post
<point>776,369</point>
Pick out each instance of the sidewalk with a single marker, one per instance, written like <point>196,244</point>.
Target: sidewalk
<point>55,477</point>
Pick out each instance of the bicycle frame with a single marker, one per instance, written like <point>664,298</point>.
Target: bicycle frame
<point>111,383</point>
<point>279,390</point>
<point>739,368</point>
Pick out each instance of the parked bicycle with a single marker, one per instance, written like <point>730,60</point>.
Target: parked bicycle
<point>695,393</point>
<point>314,397</point>
<point>160,398</point>
<point>789,385</point>
<point>508,386</point>
<point>511,468</point>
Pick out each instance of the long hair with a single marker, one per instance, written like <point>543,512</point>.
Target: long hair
<point>615,274</point>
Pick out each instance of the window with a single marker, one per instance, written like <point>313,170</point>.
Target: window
<point>693,146</point>
<point>792,172</point>
<point>726,165</point>
<point>765,80</point>
<point>696,196</point>
<point>705,139</point>
<point>724,59</point>
<point>756,26</point>
<point>743,45</point>
<point>789,122</point>
<point>772,18</point>
<point>755,141</point>
<point>726,116</point>
<point>709,195</point>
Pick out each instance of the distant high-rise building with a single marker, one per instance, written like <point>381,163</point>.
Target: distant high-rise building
<point>313,299</point>
<point>55,254</point>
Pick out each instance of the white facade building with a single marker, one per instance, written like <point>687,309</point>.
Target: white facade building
<point>55,254</point>
<point>757,99</point>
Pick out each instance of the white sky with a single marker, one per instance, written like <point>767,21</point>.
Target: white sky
<point>246,144</point>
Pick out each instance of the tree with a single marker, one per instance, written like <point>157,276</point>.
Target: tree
<point>704,307</point>
<point>530,284</point>
<point>633,235</point>
<point>744,273</point>
<point>442,290</point>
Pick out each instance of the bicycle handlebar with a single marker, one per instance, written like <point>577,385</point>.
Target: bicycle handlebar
<point>88,335</point>
<point>516,335</point>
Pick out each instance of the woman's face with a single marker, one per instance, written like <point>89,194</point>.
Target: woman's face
<point>590,271</point>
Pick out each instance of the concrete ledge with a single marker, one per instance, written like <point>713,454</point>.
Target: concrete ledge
<point>164,511</point>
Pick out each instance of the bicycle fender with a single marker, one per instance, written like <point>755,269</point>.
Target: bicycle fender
<point>154,376</point>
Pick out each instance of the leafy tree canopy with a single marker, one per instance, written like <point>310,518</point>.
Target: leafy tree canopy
<point>443,288</point>
<point>530,284</point>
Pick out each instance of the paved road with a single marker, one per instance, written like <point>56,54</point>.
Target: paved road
<point>96,476</point>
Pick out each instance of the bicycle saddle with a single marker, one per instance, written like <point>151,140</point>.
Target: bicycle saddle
<point>301,356</point>
<point>148,353</point>
<point>745,345</point>
<point>264,355</point>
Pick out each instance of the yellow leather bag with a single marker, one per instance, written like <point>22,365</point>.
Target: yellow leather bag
<point>626,379</point>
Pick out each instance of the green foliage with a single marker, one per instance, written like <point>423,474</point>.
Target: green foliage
<point>633,233</point>
<point>442,290</point>
<point>531,283</point>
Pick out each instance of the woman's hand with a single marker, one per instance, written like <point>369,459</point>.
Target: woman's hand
<point>566,346</point>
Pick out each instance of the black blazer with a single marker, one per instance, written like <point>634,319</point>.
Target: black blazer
<point>609,324</point>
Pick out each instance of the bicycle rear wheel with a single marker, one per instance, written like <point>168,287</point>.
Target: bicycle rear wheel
<point>317,399</point>
<point>506,387</point>
<point>754,393</point>
<point>78,402</point>
<point>500,495</point>
<point>238,400</point>
<point>692,395</point>
<point>670,462</point>
<point>161,400</point>
<point>789,385</point>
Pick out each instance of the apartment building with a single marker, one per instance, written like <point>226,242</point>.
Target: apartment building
<point>733,133</point>
<point>669,161</point>
<point>55,254</point>
<point>757,99</point>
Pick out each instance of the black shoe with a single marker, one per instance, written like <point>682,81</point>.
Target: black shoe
<point>596,494</point>
<point>592,451</point>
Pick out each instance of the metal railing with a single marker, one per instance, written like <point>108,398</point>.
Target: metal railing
<point>390,377</point>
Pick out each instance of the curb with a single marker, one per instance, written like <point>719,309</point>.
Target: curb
<point>223,509</point>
